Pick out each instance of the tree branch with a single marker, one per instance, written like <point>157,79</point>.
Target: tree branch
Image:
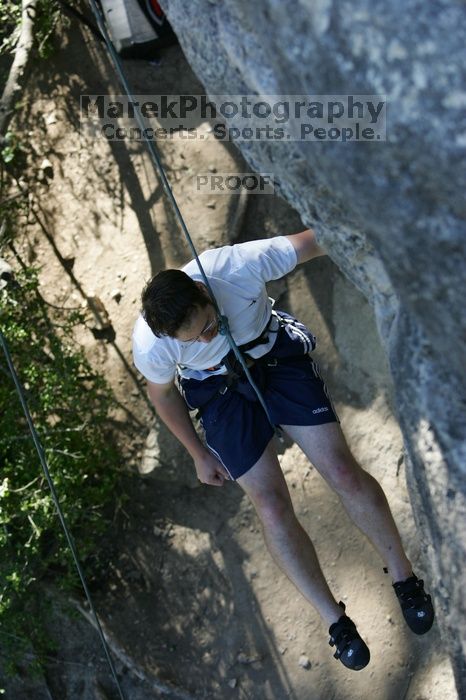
<point>19,65</point>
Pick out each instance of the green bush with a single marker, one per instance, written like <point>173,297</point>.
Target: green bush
<point>48,15</point>
<point>10,23</point>
<point>70,406</point>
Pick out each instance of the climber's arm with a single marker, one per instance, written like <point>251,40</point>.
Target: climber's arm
<point>172,410</point>
<point>305,245</point>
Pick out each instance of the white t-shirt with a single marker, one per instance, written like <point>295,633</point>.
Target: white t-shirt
<point>237,275</point>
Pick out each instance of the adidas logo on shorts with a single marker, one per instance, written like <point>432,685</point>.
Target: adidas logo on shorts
<point>320,410</point>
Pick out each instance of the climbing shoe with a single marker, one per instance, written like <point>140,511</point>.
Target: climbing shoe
<point>351,650</point>
<point>416,604</point>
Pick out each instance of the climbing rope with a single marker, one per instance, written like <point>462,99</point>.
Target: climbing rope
<point>43,461</point>
<point>224,328</point>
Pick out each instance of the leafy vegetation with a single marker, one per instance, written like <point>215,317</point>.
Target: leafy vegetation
<point>48,16</point>
<point>10,19</point>
<point>69,404</point>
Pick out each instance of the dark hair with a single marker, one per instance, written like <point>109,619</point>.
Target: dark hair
<point>168,300</point>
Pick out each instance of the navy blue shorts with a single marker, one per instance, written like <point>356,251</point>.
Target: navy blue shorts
<point>236,428</point>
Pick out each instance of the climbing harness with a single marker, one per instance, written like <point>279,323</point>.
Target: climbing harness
<point>234,379</point>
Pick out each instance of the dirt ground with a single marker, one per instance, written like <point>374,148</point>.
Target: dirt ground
<point>192,604</point>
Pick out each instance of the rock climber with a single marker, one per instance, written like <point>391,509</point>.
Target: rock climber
<point>188,365</point>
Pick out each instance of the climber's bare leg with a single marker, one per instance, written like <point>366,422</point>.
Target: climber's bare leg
<point>288,543</point>
<point>361,495</point>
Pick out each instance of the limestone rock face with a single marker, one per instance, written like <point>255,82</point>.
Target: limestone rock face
<point>390,214</point>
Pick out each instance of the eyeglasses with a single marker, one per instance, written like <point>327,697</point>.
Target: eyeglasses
<point>205,330</point>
